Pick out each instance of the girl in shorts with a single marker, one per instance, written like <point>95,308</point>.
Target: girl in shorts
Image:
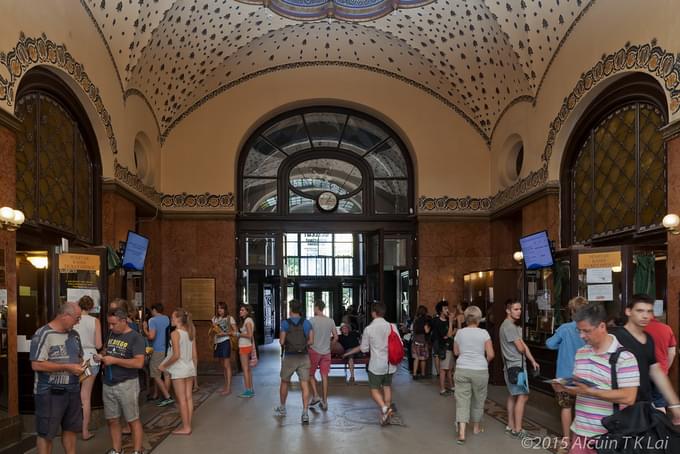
<point>246,330</point>
<point>222,326</point>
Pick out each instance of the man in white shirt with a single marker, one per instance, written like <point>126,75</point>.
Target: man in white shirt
<point>380,371</point>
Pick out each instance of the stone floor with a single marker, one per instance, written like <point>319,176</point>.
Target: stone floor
<point>424,420</point>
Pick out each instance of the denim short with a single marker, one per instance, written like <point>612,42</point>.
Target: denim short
<point>55,412</point>
<point>515,389</point>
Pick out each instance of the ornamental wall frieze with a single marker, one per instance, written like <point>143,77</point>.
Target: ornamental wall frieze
<point>172,201</point>
<point>206,200</point>
<point>454,204</point>
<point>649,58</point>
<point>30,52</point>
<point>131,180</point>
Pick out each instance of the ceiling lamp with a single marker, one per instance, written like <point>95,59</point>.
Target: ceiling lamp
<point>39,262</point>
<point>345,10</point>
<point>11,219</point>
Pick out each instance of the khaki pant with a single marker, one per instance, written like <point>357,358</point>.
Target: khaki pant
<point>471,387</point>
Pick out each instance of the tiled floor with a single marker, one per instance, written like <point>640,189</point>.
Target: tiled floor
<point>424,420</point>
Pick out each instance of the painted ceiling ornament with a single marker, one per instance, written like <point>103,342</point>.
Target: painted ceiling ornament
<point>346,10</point>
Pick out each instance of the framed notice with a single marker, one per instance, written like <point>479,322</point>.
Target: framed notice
<point>197,295</point>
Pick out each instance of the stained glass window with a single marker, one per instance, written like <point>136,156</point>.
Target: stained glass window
<point>619,175</point>
<point>54,169</point>
<point>360,161</point>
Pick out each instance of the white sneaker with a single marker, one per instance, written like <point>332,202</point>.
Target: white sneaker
<point>314,401</point>
<point>385,417</point>
<point>280,411</point>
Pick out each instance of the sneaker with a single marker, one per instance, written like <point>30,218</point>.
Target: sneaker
<point>137,452</point>
<point>305,418</point>
<point>247,393</point>
<point>444,392</point>
<point>508,430</point>
<point>519,435</point>
<point>324,405</point>
<point>314,401</point>
<point>165,402</point>
<point>113,451</point>
<point>280,411</point>
<point>385,417</point>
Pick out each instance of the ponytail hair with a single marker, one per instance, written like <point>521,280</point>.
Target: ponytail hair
<point>187,322</point>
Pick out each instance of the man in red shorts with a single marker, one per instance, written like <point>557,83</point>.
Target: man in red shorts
<point>320,352</point>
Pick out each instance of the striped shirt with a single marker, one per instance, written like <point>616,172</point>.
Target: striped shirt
<point>594,367</point>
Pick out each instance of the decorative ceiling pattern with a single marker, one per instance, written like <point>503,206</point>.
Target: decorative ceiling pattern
<point>477,56</point>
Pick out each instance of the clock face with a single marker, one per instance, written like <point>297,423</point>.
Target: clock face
<point>327,201</point>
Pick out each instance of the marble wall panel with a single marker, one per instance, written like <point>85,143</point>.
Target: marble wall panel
<point>118,217</point>
<point>8,244</point>
<point>542,214</point>
<point>447,251</point>
<point>673,264</point>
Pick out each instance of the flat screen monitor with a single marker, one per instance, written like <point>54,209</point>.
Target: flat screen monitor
<point>135,251</point>
<point>536,250</point>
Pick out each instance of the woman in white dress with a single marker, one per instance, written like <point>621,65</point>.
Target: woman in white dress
<point>90,331</point>
<point>180,363</point>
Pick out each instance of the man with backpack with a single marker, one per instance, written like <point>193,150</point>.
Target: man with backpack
<point>296,336</point>
<point>382,340</point>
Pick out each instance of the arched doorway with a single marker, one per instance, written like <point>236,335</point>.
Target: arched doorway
<point>326,210</point>
<point>58,188</point>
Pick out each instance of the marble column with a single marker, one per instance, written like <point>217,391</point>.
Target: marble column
<point>9,126</point>
<point>672,137</point>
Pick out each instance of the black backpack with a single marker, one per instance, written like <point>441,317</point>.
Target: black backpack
<point>296,341</point>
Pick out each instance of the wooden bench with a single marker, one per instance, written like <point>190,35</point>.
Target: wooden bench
<point>360,361</point>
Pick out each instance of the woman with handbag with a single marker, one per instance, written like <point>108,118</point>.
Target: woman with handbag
<point>246,348</point>
<point>222,326</point>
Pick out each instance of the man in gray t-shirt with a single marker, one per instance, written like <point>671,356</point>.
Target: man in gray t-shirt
<point>513,349</point>
<point>320,352</point>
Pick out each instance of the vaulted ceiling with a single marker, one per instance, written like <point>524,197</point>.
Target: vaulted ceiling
<point>476,56</point>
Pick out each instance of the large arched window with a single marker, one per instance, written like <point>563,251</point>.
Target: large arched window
<point>325,161</point>
<point>615,177</point>
<point>57,163</point>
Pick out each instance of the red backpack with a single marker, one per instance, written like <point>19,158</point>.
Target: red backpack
<point>395,349</point>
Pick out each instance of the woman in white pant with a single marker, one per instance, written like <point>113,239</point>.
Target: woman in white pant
<point>472,345</point>
<point>181,365</point>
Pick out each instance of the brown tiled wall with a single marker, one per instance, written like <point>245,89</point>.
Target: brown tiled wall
<point>448,250</point>
<point>118,216</point>
<point>8,243</point>
<point>673,292</point>
<point>190,248</point>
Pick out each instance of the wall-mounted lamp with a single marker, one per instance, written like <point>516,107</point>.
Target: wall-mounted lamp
<point>517,256</point>
<point>38,261</point>
<point>11,219</point>
<point>671,222</point>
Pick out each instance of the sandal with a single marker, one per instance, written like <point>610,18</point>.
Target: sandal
<point>460,441</point>
<point>89,437</point>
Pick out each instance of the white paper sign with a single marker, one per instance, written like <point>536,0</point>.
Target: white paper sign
<point>598,275</point>
<point>23,344</point>
<point>658,308</point>
<point>3,297</point>
<point>74,294</point>
<point>601,292</point>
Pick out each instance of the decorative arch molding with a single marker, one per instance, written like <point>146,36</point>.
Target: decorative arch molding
<point>30,52</point>
<point>649,58</point>
<point>134,92</point>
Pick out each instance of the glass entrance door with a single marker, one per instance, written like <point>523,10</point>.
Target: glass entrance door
<point>310,295</point>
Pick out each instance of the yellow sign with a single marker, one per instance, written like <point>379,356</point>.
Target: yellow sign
<point>599,260</point>
<point>198,297</point>
<point>78,262</point>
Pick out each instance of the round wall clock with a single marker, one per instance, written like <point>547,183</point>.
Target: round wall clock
<point>327,201</point>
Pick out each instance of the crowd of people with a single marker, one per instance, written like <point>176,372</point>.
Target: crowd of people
<point>68,353</point>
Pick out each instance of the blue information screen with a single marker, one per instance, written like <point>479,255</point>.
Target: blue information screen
<point>135,251</point>
<point>536,251</point>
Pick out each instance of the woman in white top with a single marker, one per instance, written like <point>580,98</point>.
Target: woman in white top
<point>472,345</point>
<point>245,347</point>
<point>180,363</point>
<point>222,326</point>
<point>90,331</point>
